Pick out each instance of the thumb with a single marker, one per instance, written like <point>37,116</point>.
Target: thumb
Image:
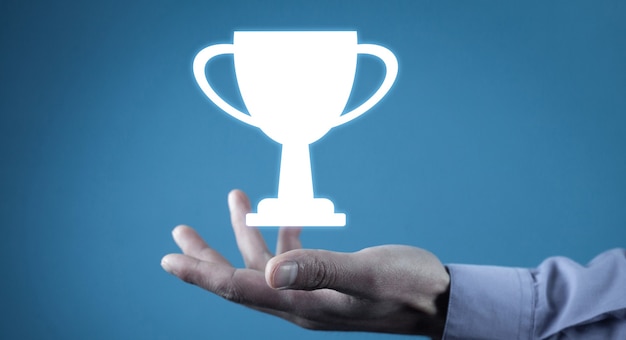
<point>305,269</point>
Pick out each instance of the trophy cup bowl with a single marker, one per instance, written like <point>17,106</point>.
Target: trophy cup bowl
<point>295,86</point>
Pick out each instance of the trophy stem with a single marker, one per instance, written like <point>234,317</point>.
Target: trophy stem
<point>295,204</point>
<point>295,181</point>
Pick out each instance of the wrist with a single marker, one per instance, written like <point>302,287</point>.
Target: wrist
<point>432,304</point>
<point>441,297</point>
<point>441,304</point>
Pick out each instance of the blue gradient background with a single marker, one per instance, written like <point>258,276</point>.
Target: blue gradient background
<point>502,142</point>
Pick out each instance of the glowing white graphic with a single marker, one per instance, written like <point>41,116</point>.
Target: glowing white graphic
<point>295,86</point>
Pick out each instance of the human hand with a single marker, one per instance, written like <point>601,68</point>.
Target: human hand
<point>391,288</point>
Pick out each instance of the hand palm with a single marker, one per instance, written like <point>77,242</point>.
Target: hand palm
<point>382,289</point>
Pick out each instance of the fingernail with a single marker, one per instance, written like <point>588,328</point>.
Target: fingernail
<point>166,266</point>
<point>285,275</point>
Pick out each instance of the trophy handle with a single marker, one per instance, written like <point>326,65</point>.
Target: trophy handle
<point>391,65</point>
<point>199,67</point>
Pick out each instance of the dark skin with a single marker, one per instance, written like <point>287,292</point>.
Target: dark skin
<point>390,288</point>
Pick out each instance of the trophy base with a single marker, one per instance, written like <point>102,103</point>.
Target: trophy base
<point>316,212</point>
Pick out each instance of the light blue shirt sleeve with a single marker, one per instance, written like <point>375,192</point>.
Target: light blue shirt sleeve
<point>560,299</point>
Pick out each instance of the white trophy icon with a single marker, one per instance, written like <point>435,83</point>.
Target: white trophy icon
<point>295,86</point>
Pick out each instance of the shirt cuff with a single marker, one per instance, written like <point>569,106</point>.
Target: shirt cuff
<point>488,302</point>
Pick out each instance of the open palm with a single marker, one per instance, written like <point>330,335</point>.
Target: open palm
<point>392,288</point>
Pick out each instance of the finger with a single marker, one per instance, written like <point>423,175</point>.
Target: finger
<point>248,287</point>
<point>211,276</point>
<point>193,245</point>
<point>288,239</point>
<point>249,240</point>
<point>316,269</point>
<point>243,286</point>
